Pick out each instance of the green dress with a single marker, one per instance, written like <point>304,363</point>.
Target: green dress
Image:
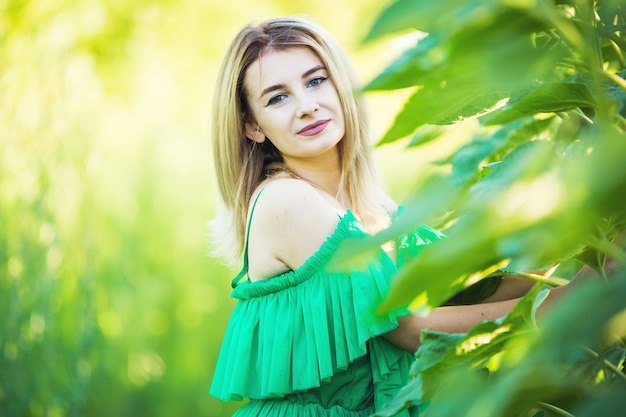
<point>307,343</point>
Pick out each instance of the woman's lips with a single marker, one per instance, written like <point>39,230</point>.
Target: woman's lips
<point>314,128</point>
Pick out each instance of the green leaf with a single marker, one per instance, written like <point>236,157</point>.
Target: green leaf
<point>526,130</point>
<point>592,257</point>
<point>416,212</point>
<point>581,320</point>
<point>466,160</point>
<point>430,16</point>
<point>536,366</point>
<point>398,16</point>
<point>600,244</point>
<point>609,403</point>
<point>467,74</point>
<point>520,318</point>
<point>442,353</point>
<point>476,292</point>
<point>412,66</point>
<point>606,368</point>
<point>547,98</point>
<point>605,173</point>
<point>539,212</point>
<point>527,212</point>
<point>477,346</point>
<point>429,280</point>
<point>439,105</point>
<point>427,133</point>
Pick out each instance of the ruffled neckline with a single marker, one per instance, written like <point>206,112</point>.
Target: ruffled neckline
<point>349,226</point>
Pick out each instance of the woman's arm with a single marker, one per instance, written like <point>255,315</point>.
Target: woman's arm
<point>460,319</point>
<point>451,319</point>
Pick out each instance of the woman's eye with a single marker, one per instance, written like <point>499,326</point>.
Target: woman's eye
<point>276,99</point>
<point>317,81</point>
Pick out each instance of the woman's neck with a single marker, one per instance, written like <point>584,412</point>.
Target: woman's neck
<point>324,174</point>
<point>323,180</point>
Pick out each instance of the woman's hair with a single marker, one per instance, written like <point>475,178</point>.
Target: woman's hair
<point>242,164</point>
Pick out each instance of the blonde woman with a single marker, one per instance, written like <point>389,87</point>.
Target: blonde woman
<point>296,178</point>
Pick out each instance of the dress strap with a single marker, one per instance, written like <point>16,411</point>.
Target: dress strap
<point>244,270</point>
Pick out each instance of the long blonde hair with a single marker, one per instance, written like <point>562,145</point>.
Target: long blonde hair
<point>241,164</point>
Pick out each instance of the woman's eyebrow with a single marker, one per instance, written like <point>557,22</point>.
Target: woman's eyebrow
<point>271,88</point>
<point>280,86</point>
<point>313,70</point>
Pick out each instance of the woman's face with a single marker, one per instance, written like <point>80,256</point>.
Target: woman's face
<point>294,104</point>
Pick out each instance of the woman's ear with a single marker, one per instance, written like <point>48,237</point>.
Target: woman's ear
<point>253,132</point>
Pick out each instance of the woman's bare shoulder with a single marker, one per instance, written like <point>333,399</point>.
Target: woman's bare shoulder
<point>291,221</point>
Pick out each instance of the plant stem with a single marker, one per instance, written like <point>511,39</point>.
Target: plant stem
<point>551,281</point>
<point>609,33</point>
<point>607,247</point>
<point>616,79</point>
<point>592,54</point>
<point>554,408</point>
<point>577,63</point>
<point>608,364</point>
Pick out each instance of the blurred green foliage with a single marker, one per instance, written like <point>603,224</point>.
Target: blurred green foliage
<point>540,181</point>
<point>109,303</point>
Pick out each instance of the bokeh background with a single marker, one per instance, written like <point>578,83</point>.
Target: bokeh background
<point>109,302</point>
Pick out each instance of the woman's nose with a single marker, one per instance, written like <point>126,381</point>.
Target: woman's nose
<point>307,108</point>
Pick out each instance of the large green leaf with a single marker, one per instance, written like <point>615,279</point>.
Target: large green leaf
<point>547,98</point>
<point>472,242</point>
<point>522,131</point>
<point>542,368</point>
<point>442,195</point>
<point>441,353</point>
<point>476,347</point>
<point>527,214</point>
<point>430,279</point>
<point>541,216</point>
<point>432,16</point>
<point>466,75</point>
<point>609,403</point>
<point>427,133</point>
<point>412,66</point>
<point>604,171</point>
<point>466,161</point>
<point>440,104</point>
<point>422,15</point>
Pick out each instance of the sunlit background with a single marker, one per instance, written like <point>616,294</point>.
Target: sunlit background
<point>109,304</point>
